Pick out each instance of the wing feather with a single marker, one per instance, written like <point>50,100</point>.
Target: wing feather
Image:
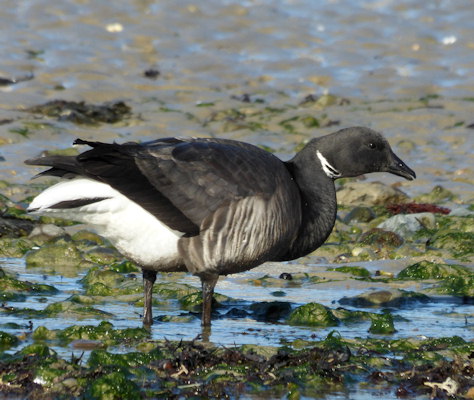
<point>180,181</point>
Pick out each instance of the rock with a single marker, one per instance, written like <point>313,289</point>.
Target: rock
<point>86,344</point>
<point>183,318</point>
<point>44,232</point>
<point>459,243</point>
<point>373,193</point>
<point>270,311</point>
<point>461,286</point>
<point>382,324</point>
<point>55,255</point>
<point>89,238</point>
<point>113,386</point>
<point>74,310</point>
<point>313,314</point>
<point>38,349</point>
<point>106,277</point>
<point>15,227</point>
<point>359,214</point>
<point>431,270</point>
<point>363,253</point>
<point>7,340</point>
<point>14,247</point>
<point>461,212</point>
<point>381,238</point>
<point>103,255</point>
<point>438,195</point>
<point>353,270</point>
<point>235,312</point>
<point>385,298</point>
<point>99,289</point>
<point>193,301</point>
<point>12,289</point>
<point>407,224</point>
<point>124,267</point>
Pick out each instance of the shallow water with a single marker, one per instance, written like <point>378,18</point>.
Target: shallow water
<point>444,316</point>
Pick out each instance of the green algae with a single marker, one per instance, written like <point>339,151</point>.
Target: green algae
<point>108,282</point>
<point>438,195</point>
<point>63,308</point>
<point>88,237</point>
<point>459,244</point>
<point>312,314</point>
<point>193,301</point>
<point>16,212</point>
<point>447,223</point>
<point>352,270</point>
<point>99,289</point>
<point>12,289</point>
<point>431,270</point>
<point>125,267</point>
<point>107,277</point>
<point>57,255</point>
<point>442,343</point>
<point>82,299</point>
<point>127,360</point>
<point>48,374</point>
<point>360,214</point>
<point>349,316</point>
<point>56,221</point>
<point>104,332</point>
<point>462,286</point>
<point>102,255</point>
<point>7,340</point>
<point>113,386</point>
<point>8,296</point>
<point>174,290</point>
<point>382,324</point>
<point>14,247</point>
<point>74,310</point>
<point>196,370</point>
<point>38,349</point>
<point>182,318</point>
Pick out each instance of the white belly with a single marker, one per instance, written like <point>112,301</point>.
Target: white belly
<point>135,232</point>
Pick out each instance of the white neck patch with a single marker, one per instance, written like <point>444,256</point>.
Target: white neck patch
<point>328,169</point>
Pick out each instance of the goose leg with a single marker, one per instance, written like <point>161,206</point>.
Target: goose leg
<point>208,284</point>
<point>149,278</point>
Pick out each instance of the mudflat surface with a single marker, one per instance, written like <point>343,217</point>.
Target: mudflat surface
<point>273,73</point>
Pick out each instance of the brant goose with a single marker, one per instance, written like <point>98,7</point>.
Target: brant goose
<point>210,206</point>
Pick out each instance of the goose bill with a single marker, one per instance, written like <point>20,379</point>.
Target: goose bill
<point>398,167</point>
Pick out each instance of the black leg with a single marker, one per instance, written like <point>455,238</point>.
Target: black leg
<point>208,284</point>
<point>149,278</point>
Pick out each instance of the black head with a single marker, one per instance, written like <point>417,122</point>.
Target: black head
<point>356,151</point>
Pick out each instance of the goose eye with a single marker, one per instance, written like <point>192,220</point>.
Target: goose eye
<point>372,146</point>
